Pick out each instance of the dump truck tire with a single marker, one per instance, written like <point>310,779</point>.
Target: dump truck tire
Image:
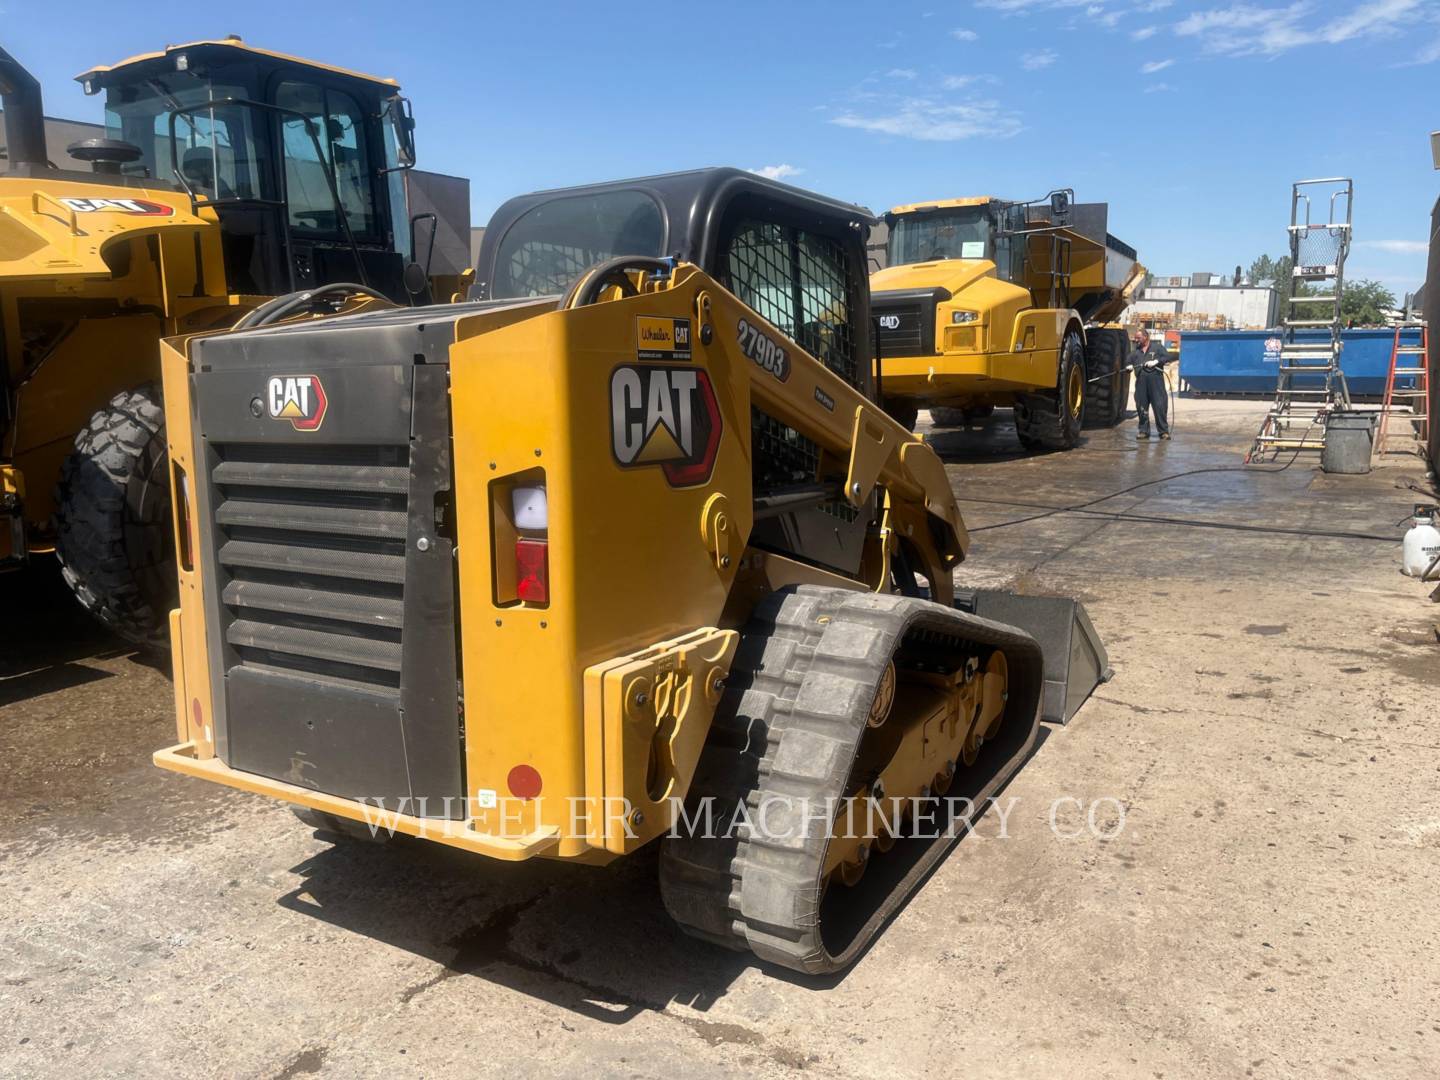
<point>113,526</point>
<point>1106,353</point>
<point>1050,420</point>
<point>943,416</point>
<point>788,736</point>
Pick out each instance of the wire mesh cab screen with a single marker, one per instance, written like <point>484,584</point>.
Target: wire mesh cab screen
<point>552,244</point>
<point>801,282</point>
<point>806,284</point>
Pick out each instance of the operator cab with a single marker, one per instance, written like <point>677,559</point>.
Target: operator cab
<point>300,161</point>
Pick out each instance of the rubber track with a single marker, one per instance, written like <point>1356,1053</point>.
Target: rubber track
<point>786,735</point>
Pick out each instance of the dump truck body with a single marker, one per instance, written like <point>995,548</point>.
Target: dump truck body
<point>982,299</point>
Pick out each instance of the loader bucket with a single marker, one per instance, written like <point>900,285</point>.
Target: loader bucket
<point>1075,659</point>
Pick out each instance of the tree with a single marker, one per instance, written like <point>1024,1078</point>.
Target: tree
<point>1365,303</point>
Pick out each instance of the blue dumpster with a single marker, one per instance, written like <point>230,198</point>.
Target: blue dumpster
<point>1247,361</point>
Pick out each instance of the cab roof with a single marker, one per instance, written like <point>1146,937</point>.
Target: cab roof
<point>215,48</point>
<point>940,204</point>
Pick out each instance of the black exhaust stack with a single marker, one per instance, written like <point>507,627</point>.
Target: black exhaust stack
<point>24,114</point>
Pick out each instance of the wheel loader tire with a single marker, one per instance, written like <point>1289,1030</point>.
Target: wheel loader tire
<point>113,528</point>
<point>1050,420</point>
<point>787,737</point>
<point>1106,356</point>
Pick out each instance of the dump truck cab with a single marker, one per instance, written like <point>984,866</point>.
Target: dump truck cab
<point>987,302</point>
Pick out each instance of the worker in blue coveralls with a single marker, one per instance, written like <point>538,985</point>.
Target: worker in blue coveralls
<point>1149,358</point>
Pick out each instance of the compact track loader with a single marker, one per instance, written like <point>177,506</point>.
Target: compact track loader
<point>624,551</point>
<point>985,302</point>
<point>227,175</point>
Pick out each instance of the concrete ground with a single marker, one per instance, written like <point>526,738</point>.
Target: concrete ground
<point>1265,908</point>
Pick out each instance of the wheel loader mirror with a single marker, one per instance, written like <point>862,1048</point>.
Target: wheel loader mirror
<point>1435,148</point>
<point>415,279</point>
<point>1059,204</point>
<point>402,124</point>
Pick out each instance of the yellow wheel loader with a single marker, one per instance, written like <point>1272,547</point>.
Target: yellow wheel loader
<point>623,552</point>
<point>228,174</point>
<point>985,302</point>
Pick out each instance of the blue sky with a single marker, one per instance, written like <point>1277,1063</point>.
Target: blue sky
<point>1190,117</point>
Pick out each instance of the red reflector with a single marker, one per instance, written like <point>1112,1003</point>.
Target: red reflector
<point>532,570</point>
<point>524,782</point>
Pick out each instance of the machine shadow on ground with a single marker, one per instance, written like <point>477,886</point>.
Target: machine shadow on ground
<point>531,926</point>
<point>47,634</point>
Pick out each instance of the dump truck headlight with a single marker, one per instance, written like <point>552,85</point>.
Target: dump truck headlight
<point>964,316</point>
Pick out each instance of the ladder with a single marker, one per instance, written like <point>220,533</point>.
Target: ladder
<point>1310,383</point>
<point>1407,362</point>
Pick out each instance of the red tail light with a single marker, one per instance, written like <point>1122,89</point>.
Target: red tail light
<point>532,570</point>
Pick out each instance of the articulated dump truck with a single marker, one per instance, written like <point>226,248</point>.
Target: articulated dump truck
<point>985,302</point>
<point>623,551</point>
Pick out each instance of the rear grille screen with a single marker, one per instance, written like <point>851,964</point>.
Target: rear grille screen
<point>311,559</point>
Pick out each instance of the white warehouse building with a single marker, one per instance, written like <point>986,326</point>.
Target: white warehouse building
<point>1206,302</point>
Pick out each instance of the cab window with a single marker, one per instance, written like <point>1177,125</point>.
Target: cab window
<point>552,244</point>
<point>219,149</point>
<point>340,130</point>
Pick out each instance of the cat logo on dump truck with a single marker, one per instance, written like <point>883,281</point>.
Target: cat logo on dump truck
<point>658,338</point>
<point>665,416</point>
<point>140,207</point>
<point>299,399</point>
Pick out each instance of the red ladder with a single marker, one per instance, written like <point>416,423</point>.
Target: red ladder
<point>1407,361</point>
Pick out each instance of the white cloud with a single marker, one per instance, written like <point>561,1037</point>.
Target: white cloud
<point>1153,5</point>
<point>1246,29</point>
<point>1396,247</point>
<point>958,82</point>
<point>936,121</point>
<point>1152,66</point>
<point>1159,88</point>
<point>1034,61</point>
<point>1144,32</point>
<point>901,73</point>
<point>777,172</point>
<point>961,34</point>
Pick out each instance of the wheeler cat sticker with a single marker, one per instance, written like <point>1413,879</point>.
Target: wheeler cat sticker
<point>297,398</point>
<point>765,351</point>
<point>140,207</point>
<point>667,416</point>
<point>662,338</point>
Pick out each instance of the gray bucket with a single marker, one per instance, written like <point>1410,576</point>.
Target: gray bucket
<point>1349,438</point>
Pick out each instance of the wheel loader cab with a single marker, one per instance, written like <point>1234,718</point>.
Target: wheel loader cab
<point>299,161</point>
